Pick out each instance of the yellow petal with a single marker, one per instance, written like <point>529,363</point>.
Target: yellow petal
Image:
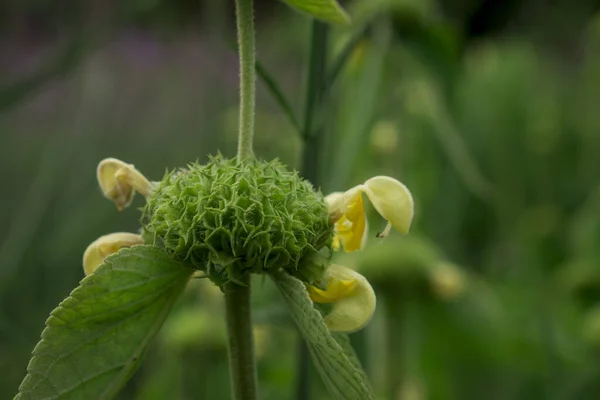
<point>348,212</point>
<point>365,235</point>
<point>351,234</point>
<point>352,226</point>
<point>336,243</point>
<point>119,181</point>
<point>355,303</point>
<point>335,290</point>
<point>106,245</point>
<point>392,200</point>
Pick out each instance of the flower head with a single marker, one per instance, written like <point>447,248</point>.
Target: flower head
<point>225,218</point>
<point>229,218</point>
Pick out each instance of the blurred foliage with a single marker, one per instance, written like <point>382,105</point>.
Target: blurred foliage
<point>486,110</point>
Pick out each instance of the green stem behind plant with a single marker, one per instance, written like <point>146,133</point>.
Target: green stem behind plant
<point>312,135</point>
<point>317,75</point>
<point>247,54</point>
<point>242,364</point>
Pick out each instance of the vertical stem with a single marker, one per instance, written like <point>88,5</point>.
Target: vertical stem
<point>310,160</point>
<point>317,75</point>
<point>242,364</point>
<point>247,52</point>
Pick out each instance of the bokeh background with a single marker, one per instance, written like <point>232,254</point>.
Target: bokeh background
<point>487,110</point>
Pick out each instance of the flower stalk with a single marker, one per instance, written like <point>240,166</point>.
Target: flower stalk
<point>247,54</point>
<point>240,342</point>
<point>242,364</point>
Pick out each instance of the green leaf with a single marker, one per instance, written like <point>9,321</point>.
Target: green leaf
<point>95,338</point>
<point>340,370</point>
<point>326,10</point>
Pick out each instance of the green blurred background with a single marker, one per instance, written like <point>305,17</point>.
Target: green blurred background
<point>487,110</point>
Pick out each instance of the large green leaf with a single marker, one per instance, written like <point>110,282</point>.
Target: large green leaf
<point>340,370</point>
<point>326,10</point>
<point>95,338</point>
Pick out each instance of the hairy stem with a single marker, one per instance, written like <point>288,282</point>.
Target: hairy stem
<point>247,53</point>
<point>242,364</point>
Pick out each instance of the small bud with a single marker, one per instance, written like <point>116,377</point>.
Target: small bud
<point>106,245</point>
<point>262,337</point>
<point>591,326</point>
<point>119,181</point>
<point>411,388</point>
<point>384,137</point>
<point>448,281</point>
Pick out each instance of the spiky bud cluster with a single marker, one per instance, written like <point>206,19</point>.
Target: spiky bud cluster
<point>228,218</point>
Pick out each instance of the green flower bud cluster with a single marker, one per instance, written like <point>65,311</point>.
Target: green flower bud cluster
<point>228,218</point>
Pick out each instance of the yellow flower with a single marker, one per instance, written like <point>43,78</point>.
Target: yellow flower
<point>352,296</point>
<point>119,181</point>
<point>350,293</point>
<point>391,199</point>
<point>106,245</point>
